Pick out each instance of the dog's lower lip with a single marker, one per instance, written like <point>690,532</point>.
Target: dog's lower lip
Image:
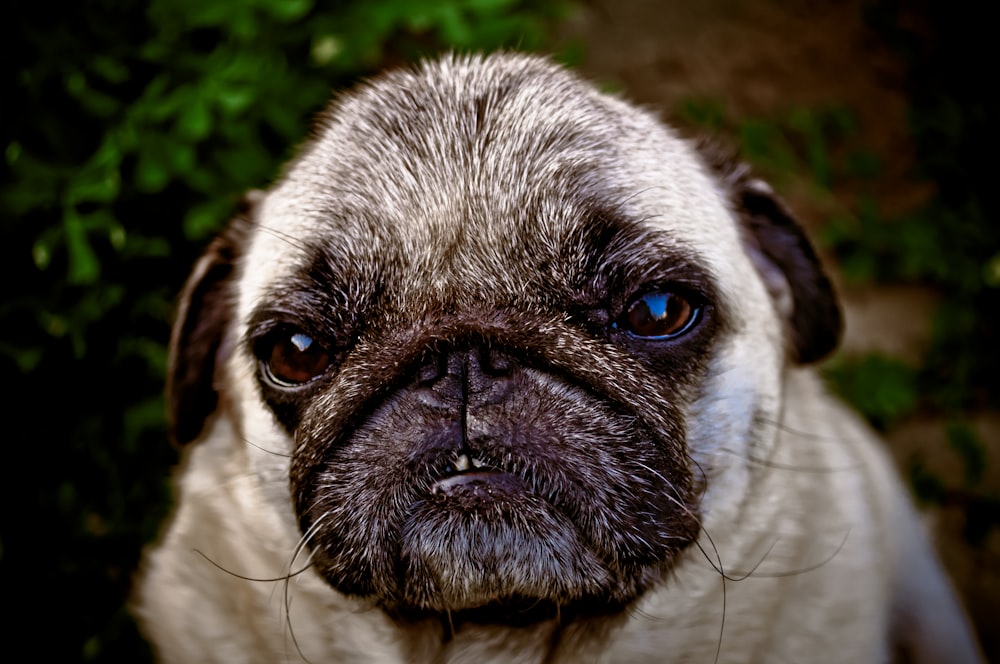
<point>479,481</point>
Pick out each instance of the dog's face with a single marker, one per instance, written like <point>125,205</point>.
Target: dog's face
<point>498,334</point>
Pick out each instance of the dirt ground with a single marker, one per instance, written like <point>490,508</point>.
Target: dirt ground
<point>761,59</point>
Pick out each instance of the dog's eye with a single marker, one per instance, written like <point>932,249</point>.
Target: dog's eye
<point>296,358</point>
<point>658,315</point>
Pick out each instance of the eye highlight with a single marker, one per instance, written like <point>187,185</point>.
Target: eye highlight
<point>658,315</point>
<point>293,357</point>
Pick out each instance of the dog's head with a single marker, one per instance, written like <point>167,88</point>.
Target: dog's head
<point>494,336</point>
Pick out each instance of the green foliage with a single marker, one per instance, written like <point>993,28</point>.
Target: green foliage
<point>129,131</point>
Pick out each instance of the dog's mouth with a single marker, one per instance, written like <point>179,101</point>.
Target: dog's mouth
<point>469,477</point>
<point>464,464</point>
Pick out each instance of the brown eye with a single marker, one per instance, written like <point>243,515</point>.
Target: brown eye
<point>658,315</point>
<point>295,359</point>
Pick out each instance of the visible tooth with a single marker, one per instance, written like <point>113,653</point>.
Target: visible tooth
<point>462,463</point>
<point>477,463</point>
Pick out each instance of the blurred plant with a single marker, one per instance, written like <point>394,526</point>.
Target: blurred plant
<point>129,130</point>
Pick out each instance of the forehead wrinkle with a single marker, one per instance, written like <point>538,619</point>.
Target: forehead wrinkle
<point>418,145</point>
<point>471,238</point>
<point>619,255</point>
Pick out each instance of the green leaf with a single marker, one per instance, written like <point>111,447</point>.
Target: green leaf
<point>26,359</point>
<point>41,254</point>
<point>110,69</point>
<point>12,153</point>
<point>288,10</point>
<point>84,267</point>
<point>194,122</point>
<point>234,99</point>
<point>487,7</point>
<point>94,187</point>
<point>206,219</point>
<point>325,49</point>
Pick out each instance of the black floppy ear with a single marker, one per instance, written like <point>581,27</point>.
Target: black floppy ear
<point>204,314</point>
<point>786,260</point>
<point>783,256</point>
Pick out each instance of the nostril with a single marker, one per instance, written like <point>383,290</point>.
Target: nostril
<point>495,362</point>
<point>430,371</point>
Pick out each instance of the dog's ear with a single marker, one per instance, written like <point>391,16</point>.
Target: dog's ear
<point>786,260</point>
<point>204,313</point>
<point>784,257</point>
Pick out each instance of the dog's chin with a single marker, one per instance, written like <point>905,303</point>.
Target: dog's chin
<point>483,543</point>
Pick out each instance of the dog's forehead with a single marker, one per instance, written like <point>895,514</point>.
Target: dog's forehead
<point>456,167</point>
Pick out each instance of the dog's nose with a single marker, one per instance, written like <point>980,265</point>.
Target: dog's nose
<point>467,377</point>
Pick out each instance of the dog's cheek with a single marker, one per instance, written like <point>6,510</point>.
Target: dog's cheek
<point>733,419</point>
<point>595,462</point>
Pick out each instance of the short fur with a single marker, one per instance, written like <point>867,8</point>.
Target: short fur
<point>482,448</point>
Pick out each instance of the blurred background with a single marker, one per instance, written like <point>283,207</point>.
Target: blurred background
<point>129,129</point>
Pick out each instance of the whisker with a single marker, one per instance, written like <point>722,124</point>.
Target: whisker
<point>674,499</point>
<point>741,576</point>
<point>287,595</point>
<point>283,577</point>
<point>264,449</point>
<point>766,463</point>
<point>780,425</point>
<point>801,570</point>
<point>283,236</point>
<point>722,576</point>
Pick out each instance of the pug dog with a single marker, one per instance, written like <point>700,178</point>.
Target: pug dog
<point>502,369</point>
